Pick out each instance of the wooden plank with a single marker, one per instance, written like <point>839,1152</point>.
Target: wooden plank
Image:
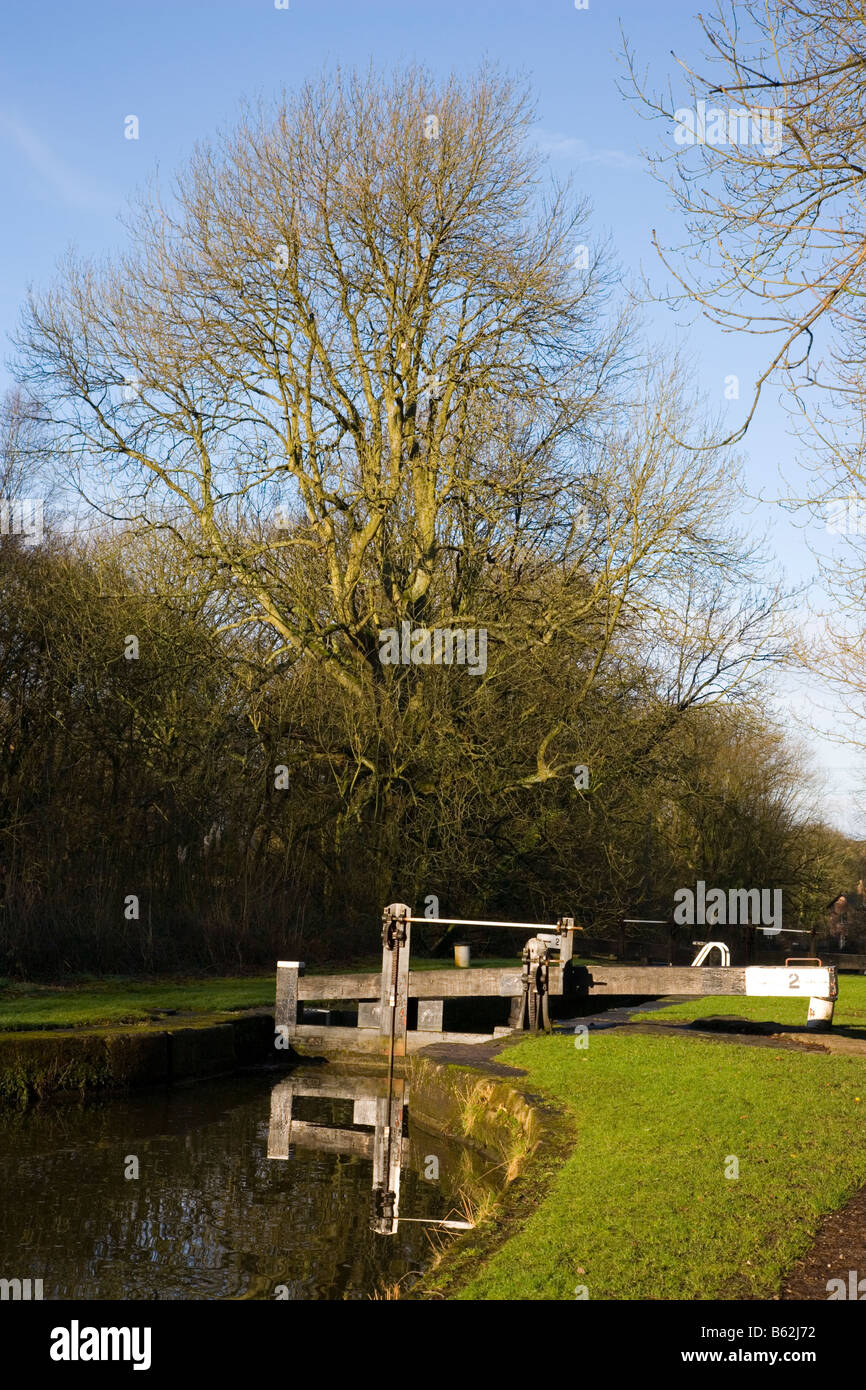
<point>336,1039</point>
<point>306,1082</point>
<point>658,979</point>
<point>768,981</point>
<point>476,980</point>
<point>351,1141</point>
<point>491,981</point>
<point>280,1127</point>
<point>502,981</point>
<point>341,1141</point>
<point>365,1040</point>
<point>362,986</point>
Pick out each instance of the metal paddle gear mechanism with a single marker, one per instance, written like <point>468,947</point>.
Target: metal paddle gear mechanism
<point>535,980</point>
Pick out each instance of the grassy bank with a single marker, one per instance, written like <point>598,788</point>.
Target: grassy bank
<point>640,1208</point>
<point>98,1003</point>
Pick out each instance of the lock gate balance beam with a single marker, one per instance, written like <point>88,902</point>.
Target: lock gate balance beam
<point>384,1015</point>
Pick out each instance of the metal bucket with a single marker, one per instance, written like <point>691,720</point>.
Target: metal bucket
<point>462,956</point>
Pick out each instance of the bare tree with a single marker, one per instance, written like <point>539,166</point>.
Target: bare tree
<point>765,162</point>
<point>341,297</point>
<point>766,165</point>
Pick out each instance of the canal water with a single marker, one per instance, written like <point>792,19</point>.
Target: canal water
<point>209,1215</point>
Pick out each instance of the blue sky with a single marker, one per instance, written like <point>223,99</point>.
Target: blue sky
<point>71,74</point>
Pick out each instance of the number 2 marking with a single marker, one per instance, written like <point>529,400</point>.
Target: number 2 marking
<point>793,979</point>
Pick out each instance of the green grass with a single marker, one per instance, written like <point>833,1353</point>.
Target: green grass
<point>850,1011</point>
<point>126,1001</point>
<point>642,1208</point>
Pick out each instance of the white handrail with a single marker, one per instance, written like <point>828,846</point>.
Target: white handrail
<point>708,946</point>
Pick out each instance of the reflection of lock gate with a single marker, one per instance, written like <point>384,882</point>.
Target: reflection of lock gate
<point>377,1101</point>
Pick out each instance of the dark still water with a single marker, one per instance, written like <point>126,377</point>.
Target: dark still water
<point>210,1215</point>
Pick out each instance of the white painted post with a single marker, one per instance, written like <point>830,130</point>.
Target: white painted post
<point>820,1018</point>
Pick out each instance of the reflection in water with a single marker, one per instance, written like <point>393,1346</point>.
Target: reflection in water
<point>209,1217</point>
<point>377,1101</point>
